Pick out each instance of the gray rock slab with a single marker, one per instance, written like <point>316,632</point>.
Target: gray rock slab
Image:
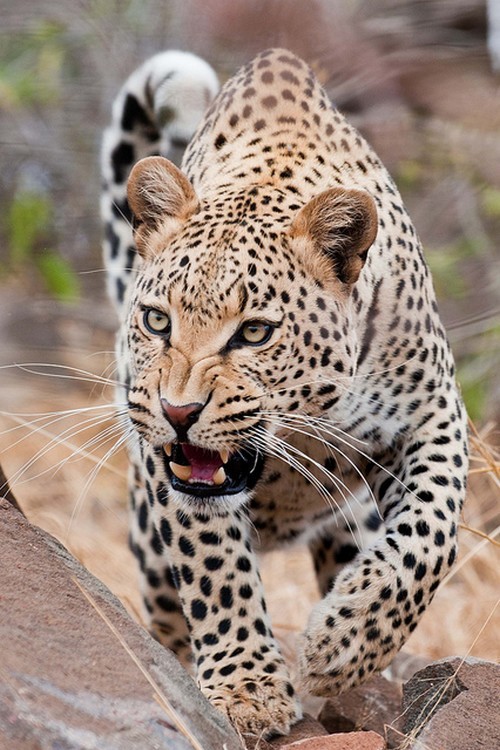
<point>66,681</point>
<point>453,704</point>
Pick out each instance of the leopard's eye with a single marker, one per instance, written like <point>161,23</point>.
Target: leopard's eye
<point>156,322</point>
<point>255,332</point>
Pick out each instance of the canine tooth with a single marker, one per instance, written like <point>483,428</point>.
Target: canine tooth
<point>180,471</point>
<point>220,476</point>
<point>224,454</point>
<point>168,449</point>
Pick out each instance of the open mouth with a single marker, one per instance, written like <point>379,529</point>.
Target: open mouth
<point>205,473</point>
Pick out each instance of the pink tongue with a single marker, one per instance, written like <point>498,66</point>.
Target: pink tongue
<point>204,463</point>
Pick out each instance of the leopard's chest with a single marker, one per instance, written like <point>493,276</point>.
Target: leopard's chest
<point>311,482</point>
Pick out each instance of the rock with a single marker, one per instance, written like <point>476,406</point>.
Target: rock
<point>453,704</point>
<point>303,729</point>
<point>66,681</point>
<point>350,741</point>
<point>375,705</point>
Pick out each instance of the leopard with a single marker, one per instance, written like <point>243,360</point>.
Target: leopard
<point>286,377</point>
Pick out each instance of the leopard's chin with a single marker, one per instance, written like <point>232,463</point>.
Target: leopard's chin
<point>199,472</point>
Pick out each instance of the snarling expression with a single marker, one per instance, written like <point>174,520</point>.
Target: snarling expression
<point>235,304</point>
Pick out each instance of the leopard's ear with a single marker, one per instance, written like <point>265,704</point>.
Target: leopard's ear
<point>159,194</point>
<point>342,225</point>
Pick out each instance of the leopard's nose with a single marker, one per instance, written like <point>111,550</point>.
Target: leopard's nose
<point>181,417</point>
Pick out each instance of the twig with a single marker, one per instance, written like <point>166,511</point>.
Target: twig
<point>480,533</point>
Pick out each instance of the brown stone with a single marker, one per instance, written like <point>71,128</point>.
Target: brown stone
<point>303,729</point>
<point>66,681</point>
<point>350,741</point>
<point>375,706</point>
<point>453,704</point>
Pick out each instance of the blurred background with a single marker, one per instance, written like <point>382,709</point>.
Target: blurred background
<point>419,78</point>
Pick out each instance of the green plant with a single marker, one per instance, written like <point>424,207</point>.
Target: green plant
<point>28,228</point>
<point>32,66</point>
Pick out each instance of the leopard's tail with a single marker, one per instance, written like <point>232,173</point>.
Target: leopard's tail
<point>156,111</point>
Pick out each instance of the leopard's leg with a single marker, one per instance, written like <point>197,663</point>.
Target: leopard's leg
<point>345,537</point>
<point>377,600</point>
<point>162,607</point>
<point>238,663</point>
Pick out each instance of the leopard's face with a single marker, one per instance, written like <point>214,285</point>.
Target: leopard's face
<point>230,332</point>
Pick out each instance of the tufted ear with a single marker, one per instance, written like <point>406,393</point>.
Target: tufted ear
<point>342,224</point>
<point>158,192</point>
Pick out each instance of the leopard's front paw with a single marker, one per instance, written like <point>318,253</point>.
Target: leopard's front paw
<point>342,646</point>
<point>258,706</point>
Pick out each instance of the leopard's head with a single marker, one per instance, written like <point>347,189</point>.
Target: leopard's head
<point>239,319</point>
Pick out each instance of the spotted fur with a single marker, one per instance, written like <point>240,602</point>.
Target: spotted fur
<point>345,415</point>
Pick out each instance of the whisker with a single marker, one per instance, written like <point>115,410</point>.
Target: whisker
<point>61,441</point>
<point>264,445</point>
<point>86,424</point>
<point>54,469</point>
<point>93,474</point>
<point>89,272</point>
<point>110,369</point>
<point>316,421</point>
<point>284,421</point>
<point>90,377</point>
<point>340,486</point>
<point>97,441</point>
<point>56,439</point>
<point>280,451</point>
<point>47,422</point>
<point>63,412</point>
<point>124,217</point>
<point>361,453</point>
